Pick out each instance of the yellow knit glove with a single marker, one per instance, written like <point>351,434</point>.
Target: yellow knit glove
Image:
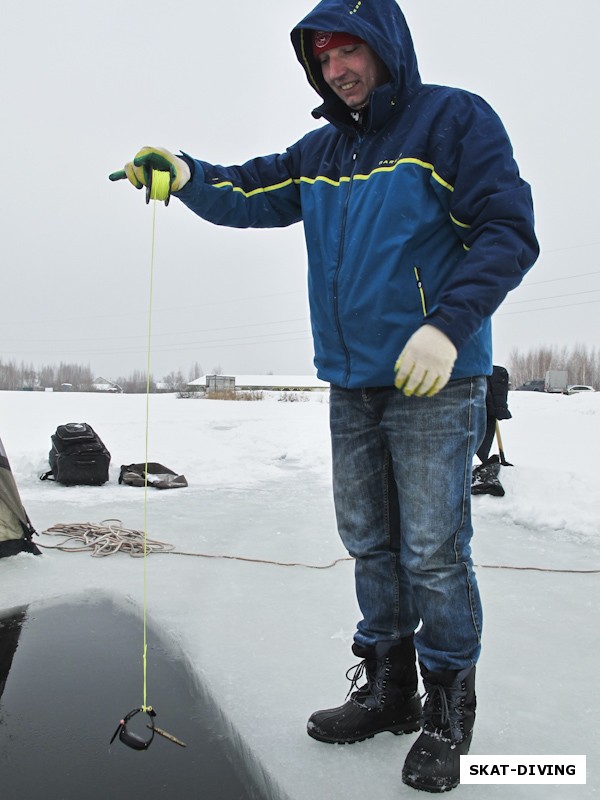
<point>424,366</point>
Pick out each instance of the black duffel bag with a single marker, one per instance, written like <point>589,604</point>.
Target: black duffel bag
<point>151,474</point>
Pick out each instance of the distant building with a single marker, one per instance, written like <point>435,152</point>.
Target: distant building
<point>219,383</point>
<point>259,383</point>
<point>104,385</point>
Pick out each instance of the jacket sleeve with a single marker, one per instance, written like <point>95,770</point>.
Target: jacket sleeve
<point>262,193</point>
<point>491,210</point>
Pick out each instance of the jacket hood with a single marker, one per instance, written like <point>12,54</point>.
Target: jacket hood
<point>382,25</point>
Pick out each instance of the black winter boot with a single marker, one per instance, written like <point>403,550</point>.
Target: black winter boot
<point>387,702</point>
<point>433,762</point>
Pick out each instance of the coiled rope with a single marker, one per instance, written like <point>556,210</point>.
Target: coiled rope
<point>104,539</point>
<point>109,537</point>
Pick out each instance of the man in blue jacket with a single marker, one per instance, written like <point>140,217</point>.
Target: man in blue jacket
<point>417,225</point>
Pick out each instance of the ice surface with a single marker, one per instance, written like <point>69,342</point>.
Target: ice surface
<point>272,642</point>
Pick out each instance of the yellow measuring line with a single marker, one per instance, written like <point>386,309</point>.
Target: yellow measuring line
<point>159,191</point>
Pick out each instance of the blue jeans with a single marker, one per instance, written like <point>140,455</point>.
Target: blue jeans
<point>402,490</point>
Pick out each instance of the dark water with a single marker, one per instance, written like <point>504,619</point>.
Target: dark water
<point>68,674</point>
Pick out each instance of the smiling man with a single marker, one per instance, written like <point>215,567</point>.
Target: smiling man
<point>349,66</point>
<point>417,225</point>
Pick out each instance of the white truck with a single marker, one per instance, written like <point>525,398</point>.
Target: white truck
<point>556,380</point>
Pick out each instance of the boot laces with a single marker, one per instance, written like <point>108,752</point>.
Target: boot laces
<point>359,671</point>
<point>442,710</point>
<point>373,691</point>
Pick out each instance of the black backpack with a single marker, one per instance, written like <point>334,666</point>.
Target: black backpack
<point>78,456</point>
<point>497,394</point>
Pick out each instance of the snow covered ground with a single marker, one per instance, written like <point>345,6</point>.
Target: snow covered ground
<point>271,643</point>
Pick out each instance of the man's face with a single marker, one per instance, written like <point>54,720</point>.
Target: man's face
<point>353,71</point>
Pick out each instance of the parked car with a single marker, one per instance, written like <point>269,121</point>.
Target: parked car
<point>576,388</point>
<point>532,386</point>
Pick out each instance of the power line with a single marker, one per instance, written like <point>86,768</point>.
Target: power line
<point>569,247</point>
<point>303,334</point>
<point>552,297</point>
<point>548,308</point>
<point>565,278</point>
<point>210,304</point>
<point>171,333</point>
<point>291,336</point>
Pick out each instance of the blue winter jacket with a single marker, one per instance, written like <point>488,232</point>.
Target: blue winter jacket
<point>418,215</point>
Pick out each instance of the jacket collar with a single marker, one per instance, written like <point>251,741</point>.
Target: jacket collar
<point>382,106</point>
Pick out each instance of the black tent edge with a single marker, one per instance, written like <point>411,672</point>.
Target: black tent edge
<point>12,547</point>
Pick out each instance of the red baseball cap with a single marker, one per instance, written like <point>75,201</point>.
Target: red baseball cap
<point>326,40</point>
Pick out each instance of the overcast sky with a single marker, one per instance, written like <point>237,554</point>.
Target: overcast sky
<point>86,83</point>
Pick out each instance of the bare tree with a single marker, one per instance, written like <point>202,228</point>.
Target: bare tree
<point>136,383</point>
<point>174,382</point>
<point>196,371</point>
<point>80,378</point>
<point>581,363</point>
